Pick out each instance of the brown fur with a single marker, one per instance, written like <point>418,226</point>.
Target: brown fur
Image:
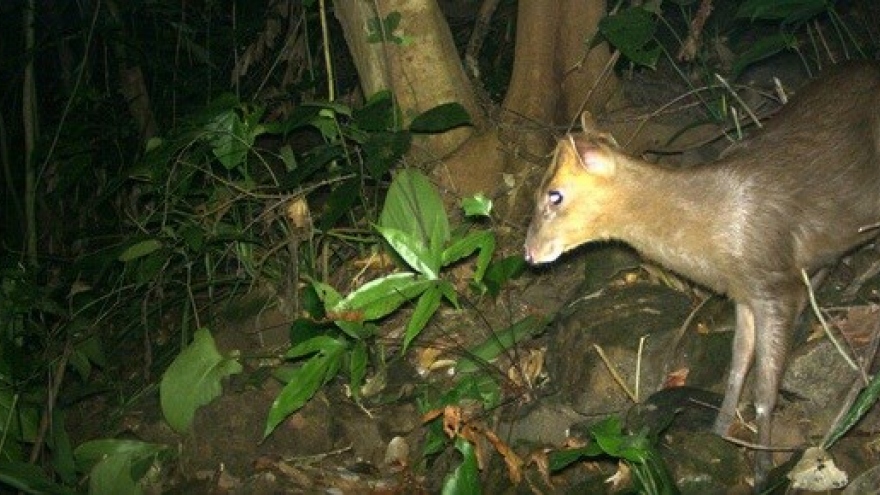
<point>792,197</point>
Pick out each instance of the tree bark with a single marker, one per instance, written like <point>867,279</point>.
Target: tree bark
<point>418,63</point>
<point>554,78</point>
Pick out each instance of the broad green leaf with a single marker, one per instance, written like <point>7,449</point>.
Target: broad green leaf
<point>306,380</point>
<point>414,206</point>
<point>465,480</point>
<point>326,294</point>
<point>763,48</point>
<point>117,466</point>
<point>112,475</point>
<point>377,114</point>
<point>148,267</point>
<point>230,138</point>
<point>425,309</point>
<point>334,107</point>
<point>412,251</point>
<point>483,240</point>
<point>632,32</point>
<point>193,380</point>
<point>501,341</point>
<point>380,297</point>
<point>441,119</point>
<point>90,453</point>
<point>501,271</point>
<point>140,249</point>
<point>477,206</point>
<point>314,345</point>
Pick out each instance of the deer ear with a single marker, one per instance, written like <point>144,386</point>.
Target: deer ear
<point>591,130</point>
<point>588,123</point>
<point>595,159</point>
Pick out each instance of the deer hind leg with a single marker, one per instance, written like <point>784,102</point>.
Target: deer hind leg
<point>774,322</point>
<point>743,352</point>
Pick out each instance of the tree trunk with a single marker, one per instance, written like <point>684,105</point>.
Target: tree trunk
<point>418,62</point>
<point>554,78</point>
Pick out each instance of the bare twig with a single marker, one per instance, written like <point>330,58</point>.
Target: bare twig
<point>616,375</point>
<point>815,306</point>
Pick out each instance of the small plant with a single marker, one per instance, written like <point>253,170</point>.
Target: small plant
<point>636,450</point>
<point>414,224</point>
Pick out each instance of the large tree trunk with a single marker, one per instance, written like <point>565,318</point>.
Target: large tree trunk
<point>418,63</point>
<point>554,78</point>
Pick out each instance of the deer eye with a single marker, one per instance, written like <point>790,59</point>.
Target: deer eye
<point>555,197</point>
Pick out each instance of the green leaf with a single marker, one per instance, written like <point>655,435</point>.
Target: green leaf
<point>763,48</point>
<point>425,309</point>
<point>413,251</point>
<point>500,342</point>
<point>140,249</point>
<point>150,266</point>
<point>231,138</point>
<point>326,294</point>
<point>117,466</point>
<point>501,271</point>
<point>632,32</point>
<point>90,453</point>
<point>63,461</point>
<point>441,119</point>
<point>112,475</point>
<point>465,480</point>
<point>305,381</point>
<point>864,402</point>
<point>460,248</point>
<point>385,30</point>
<point>563,458</point>
<point>378,298</point>
<point>193,380</point>
<point>377,114</point>
<point>477,206</point>
<point>315,345</point>
<point>414,206</point>
<point>29,478</point>
<point>21,421</point>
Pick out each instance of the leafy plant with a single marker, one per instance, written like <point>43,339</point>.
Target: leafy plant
<point>414,224</point>
<point>636,450</point>
<point>193,380</point>
<point>121,466</point>
<point>632,31</point>
<point>791,17</point>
